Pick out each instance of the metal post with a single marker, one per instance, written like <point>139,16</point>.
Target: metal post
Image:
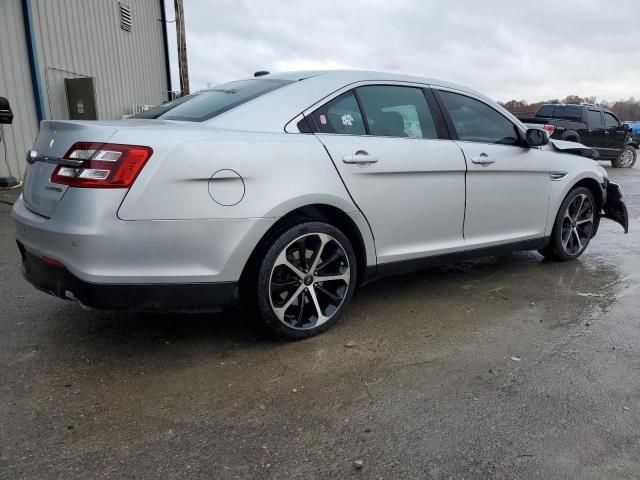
<point>182,48</point>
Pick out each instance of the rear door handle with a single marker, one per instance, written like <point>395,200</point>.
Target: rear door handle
<point>360,158</point>
<point>483,159</point>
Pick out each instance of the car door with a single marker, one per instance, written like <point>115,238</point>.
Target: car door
<point>573,121</point>
<point>507,185</point>
<point>614,132</point>
<point>408,182</point>
<point>594,137</point>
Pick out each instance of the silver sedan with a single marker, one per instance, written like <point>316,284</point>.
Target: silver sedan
<point>286,191</point>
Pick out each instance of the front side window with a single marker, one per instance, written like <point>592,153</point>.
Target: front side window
<point>476,121</point>
<point>610,120</point>
<point>393,111</point>
<point>341,115</point>
<point>207,104</point>
<point>595,119</point>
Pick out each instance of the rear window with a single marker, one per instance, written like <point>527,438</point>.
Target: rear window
<point>545,111</point>
<point>572,113</point>
<point>207,104</point>
<point>595,119</point>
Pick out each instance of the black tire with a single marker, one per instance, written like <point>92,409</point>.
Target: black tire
<point>571,137</point>
<point>626,159</point>
<point>331,296</point>
<point>562,247</point>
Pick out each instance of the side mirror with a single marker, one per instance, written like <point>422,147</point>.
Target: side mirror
<point>626,127</point>
<point>536,137</point>
<point>6,115</point>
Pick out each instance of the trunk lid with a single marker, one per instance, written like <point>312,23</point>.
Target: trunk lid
<point>55,139</point>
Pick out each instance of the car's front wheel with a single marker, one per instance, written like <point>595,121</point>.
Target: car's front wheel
<point>306,279</point>
<point>574,225</point>
<point>626,159</point>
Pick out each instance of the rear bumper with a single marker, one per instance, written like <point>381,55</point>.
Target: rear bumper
<point>58,281</point>
<point>96,247</point>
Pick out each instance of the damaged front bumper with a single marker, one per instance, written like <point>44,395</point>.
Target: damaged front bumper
<point>613,205</point>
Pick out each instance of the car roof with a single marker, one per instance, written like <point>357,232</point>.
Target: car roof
<point>270,112</point>
<point>352,76</point>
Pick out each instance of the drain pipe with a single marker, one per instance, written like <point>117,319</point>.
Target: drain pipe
<point>27,15</point>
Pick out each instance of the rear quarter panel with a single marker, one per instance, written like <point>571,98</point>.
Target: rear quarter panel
<point>280,172</point>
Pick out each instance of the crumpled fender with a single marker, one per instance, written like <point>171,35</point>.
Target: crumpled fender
<point>574,148</point>
<point>614,206</point>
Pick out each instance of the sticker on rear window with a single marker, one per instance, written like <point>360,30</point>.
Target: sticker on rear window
<point>347,120</point>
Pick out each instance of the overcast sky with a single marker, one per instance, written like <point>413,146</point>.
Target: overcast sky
<point>506,49</point>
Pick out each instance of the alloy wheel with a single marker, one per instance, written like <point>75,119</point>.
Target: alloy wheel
<point>577,224</point>
<point>626,158</point>
<point>309,281</point>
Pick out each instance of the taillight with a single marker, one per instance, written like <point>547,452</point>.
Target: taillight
<point>104,165</point>
<point>53,262</point>
<point>549,129</point>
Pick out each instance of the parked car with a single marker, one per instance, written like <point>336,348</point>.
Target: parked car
<point>287,191</point>
<point>635,132</point>
<point>593,126</point>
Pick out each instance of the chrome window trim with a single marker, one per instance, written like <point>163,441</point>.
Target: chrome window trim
<point>292,125</point>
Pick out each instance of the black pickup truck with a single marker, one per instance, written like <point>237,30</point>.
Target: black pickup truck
<point>589,125</point>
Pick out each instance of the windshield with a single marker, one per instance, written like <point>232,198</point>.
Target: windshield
<point>204,105</point>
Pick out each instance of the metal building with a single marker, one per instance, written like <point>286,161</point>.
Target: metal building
<point>78,59</point>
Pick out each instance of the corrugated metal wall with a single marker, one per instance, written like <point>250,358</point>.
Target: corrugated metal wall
<point>78,38</point>
<point>15,85</point>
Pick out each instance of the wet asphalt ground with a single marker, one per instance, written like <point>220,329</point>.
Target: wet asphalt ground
<point>508,367</point>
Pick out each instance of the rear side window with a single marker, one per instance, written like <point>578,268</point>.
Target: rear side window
<point>341,115</point>
<point>595,119</point>
<point>558,112</point>
<point>476,121</point>
<point>610,120</point>
<point>393,111</point>
<point>572,113</point>
<point>207,104</point>
<point>545,111</point>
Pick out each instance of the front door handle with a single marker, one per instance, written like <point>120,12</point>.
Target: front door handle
<point>483,159</point>
<point>360,158</point>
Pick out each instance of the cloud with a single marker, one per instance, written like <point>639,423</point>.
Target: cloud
<point>506,49</point>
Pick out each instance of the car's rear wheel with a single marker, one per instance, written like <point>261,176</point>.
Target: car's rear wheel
<point>574,225</point>
<point>626,159</point>
<point>306,279</point>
